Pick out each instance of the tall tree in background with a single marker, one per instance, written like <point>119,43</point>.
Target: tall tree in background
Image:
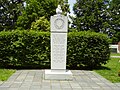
<point>35,9</point>
<point>21,13</point>
<point>92,15</point>
<point>115,14</point>
<point>114,2</point>
<point>114,11</point>
<point>9,12</point>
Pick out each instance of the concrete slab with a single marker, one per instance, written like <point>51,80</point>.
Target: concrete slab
<point>58,75</point>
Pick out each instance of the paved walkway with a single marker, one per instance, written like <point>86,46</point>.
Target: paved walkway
<point>33,80</point>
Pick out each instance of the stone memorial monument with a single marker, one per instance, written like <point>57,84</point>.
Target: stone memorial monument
<point>59,29</point>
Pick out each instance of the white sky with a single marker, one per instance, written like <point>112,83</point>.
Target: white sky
<point>71,2</point>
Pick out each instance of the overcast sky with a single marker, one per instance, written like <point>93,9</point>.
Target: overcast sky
<point>71,2</point>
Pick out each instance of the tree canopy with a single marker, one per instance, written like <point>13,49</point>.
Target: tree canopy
<point>21,13</point>
<point>10,10</point>
<point>91,15</point>
<point>35,9</point>
<point>115,2</point>
<point>95,15</point>
<point>115,19</point>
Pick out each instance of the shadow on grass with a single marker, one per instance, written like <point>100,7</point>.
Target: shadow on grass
<point>102,68</point>
<point>89,68</point>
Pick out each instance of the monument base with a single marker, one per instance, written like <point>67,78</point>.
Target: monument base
<point>58,75</point>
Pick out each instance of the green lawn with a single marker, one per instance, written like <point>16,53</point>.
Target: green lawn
<point>110,70</point>
<point>5,74</point>
<point>115,54</point>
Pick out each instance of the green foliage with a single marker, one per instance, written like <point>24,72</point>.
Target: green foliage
<point>114,40</point>
<point>92,15</point>
<point>118,36</point>
<point>114,3</point>
<point>31,49</point>
<point>87,49</point>
<point>115,19</point>
<point>35,9</point>
<point>21,14</point>
<point>97,15</point>
<point>9,12</point>
<point>41,24</point>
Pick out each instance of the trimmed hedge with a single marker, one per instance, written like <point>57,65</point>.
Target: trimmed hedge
<point>24,49</point>
<point>87,49</point>
<point>31,49</point>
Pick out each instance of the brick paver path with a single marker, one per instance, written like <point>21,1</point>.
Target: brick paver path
<point>33,80</point>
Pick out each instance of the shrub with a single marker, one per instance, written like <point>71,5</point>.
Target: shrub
<point>114,40</point>
<point>118,36</point>
<point>31,49</point>
<point>24,49</point>
<point>42,24</point>
<point>87,49</point>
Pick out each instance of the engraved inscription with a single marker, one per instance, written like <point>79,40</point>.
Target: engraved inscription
<point>59,39</point>
<point>58,49</point>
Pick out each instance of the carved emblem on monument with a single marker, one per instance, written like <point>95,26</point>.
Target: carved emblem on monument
<point>59,23</point>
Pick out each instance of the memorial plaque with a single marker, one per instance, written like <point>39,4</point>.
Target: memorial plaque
<point>58,50</point>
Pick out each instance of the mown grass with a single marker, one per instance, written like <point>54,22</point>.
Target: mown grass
<point>110,70</point>
<point>115,54</point>
<point>5,74</point>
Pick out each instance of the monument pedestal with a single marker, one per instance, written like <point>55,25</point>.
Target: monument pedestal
<point>58,75</point>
